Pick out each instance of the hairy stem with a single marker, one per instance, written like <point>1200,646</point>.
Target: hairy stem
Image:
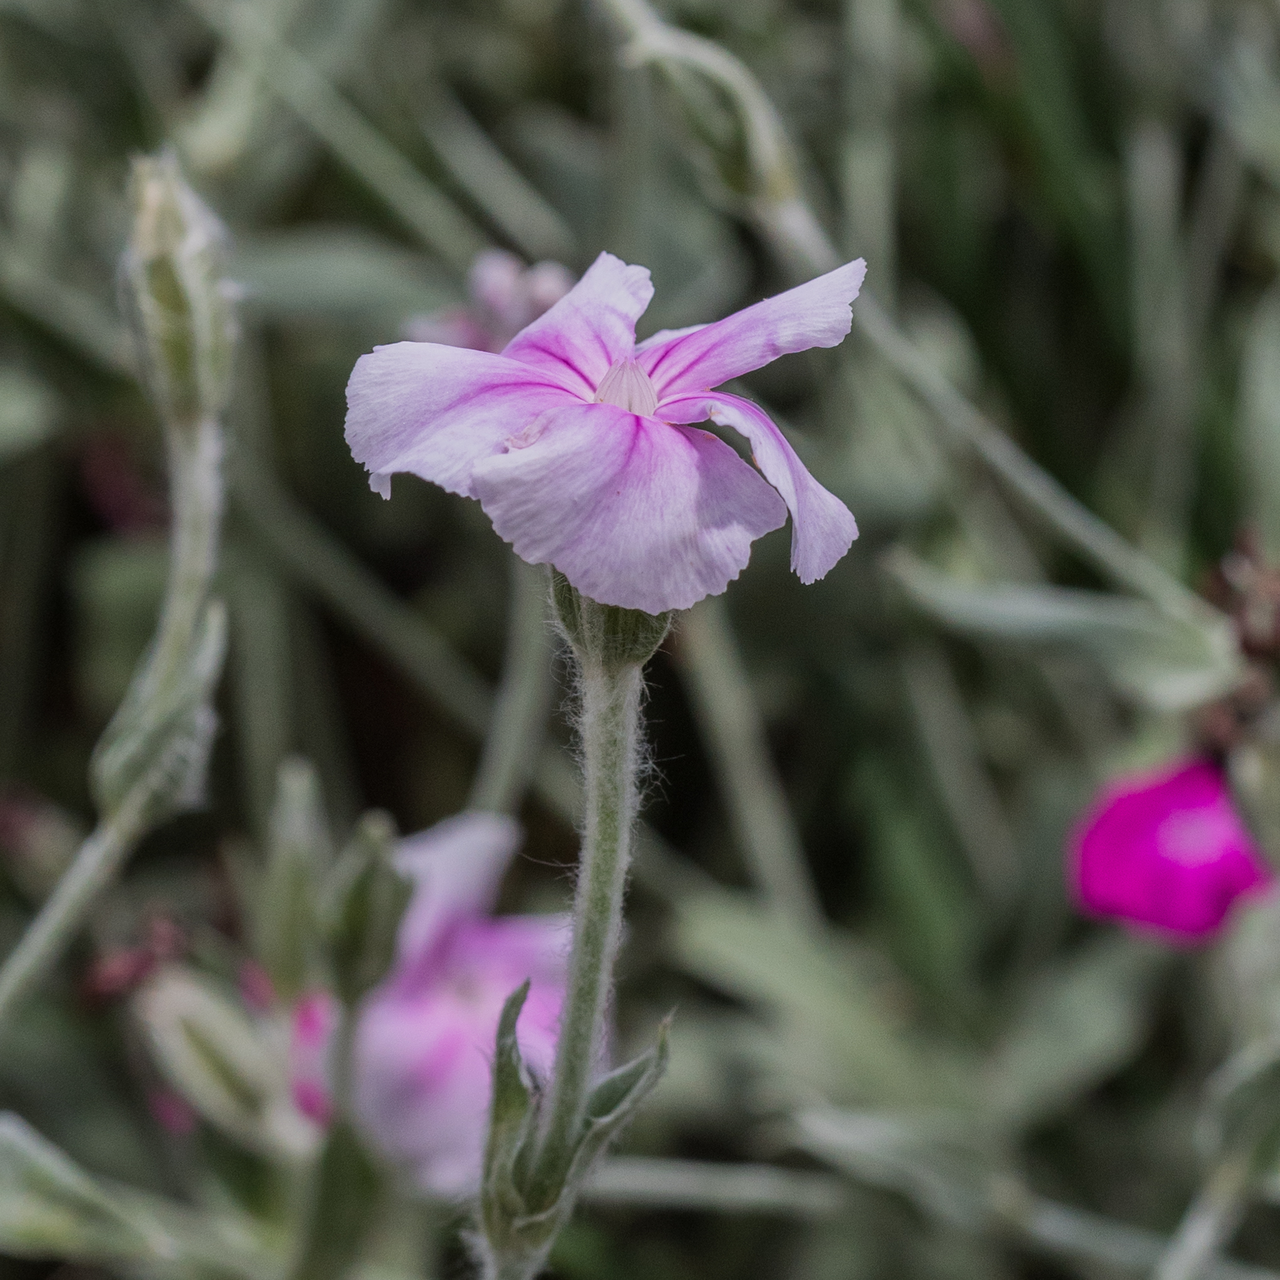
<point>610,728</point>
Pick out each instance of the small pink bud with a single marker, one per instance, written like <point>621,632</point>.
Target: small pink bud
<point>172,1112</point>
<point>1167,851</point>
<point>312,1099</point>
<point>256,988</point>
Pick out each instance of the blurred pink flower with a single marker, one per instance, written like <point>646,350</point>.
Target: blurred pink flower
<point>579,445</point>
<point>315,1020</point>
<point>425,1038</point>
<point>172,1112</point>
<point>1166,850</point>
<point>505,296</point>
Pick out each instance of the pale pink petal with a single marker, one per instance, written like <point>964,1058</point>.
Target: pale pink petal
<point>436,410</point>
<point>423,1062</point>
<point>512,948</point>
<point>816,314</point>
<point>822,527</point>
<point>456,868</point>
<point>632,511</point>
<point>590,328</point>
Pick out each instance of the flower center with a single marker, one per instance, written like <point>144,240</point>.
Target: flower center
<point>628,386</point>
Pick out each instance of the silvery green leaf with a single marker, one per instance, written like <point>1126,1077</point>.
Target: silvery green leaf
<point>337,272</point>
<point>1168,663</point>
<point>932,1158</point>
<point>232,1070</point>
<point>50,1206</point>
<point>364,898</point>
<point>1250,105</point>
<point>28,413</point>
<point>1260,421</point>
<point>159,739</point>
<point>512,1114</point>
<point>1079,1023</point>
<point>299,852</point>
<point>834,1026</point>
<point>613,1103</point>
<point>340,1216</point>
<point>1247,969</point>
<point>1242,1108</point>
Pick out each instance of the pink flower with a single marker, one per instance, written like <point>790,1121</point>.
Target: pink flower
<point>579,444</point>
<point>425,1039</point>
<point>315,1020</point>
<point>505,296</point>
<point>1167,850</point>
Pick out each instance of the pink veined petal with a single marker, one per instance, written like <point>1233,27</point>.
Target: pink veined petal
<point>815,314</point>
<point>436,410</point>
<point>456,868</point>
<point>632,511</point>
<point>822,527</point>
<point>591,328</point>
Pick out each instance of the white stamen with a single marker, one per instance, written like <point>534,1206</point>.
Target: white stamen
<point>628,386</point>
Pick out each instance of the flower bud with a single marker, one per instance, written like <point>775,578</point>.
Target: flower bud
<point>181,306</point>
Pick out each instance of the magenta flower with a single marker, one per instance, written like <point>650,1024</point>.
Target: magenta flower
<point>580,446</point>
<point>425,1039</point>
<point>1166,850</point>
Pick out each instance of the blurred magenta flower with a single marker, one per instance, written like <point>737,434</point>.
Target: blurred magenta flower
<point>578,442</point>
<point>1166,850</point>
<point>425,1038</point>
<point>315,1020</point>
<point>505,296</point>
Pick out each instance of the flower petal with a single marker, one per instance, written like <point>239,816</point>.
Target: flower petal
<point>632,511</point>
<point>592,327</point>
<point>815,314</point>
<point>436,410</point>
<point>822,527</point>
<point>455,868</point>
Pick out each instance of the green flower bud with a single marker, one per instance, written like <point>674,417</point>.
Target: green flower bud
<point>181,305</point>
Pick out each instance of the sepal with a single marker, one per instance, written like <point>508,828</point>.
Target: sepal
<point>362,901</point>
<point>605,636</point>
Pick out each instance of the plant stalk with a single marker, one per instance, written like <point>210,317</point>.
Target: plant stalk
<point>610,729</point>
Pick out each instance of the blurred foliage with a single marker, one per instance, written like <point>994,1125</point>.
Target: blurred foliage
<point>1072,207</point>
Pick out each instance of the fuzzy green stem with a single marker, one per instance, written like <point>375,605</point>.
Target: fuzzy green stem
<point>194,458</point>
<point>610,729</point>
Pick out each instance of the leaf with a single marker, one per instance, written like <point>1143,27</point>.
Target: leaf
<point>287,923</point>
<point>1241,1115</point>
<point>834,1024</point>
<point>230,1070</point>
<point>1260,421</point>
<point>28,413</point>
<point>614,1102</point>
<point>51,1206</point>
<point>363,902</point>
<point>1170,664</point>
<point>931,1158</point>
<point>336,271</point>
<point>345,1191</point>
<point>159,740</point>
<point>1078,1024</point>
